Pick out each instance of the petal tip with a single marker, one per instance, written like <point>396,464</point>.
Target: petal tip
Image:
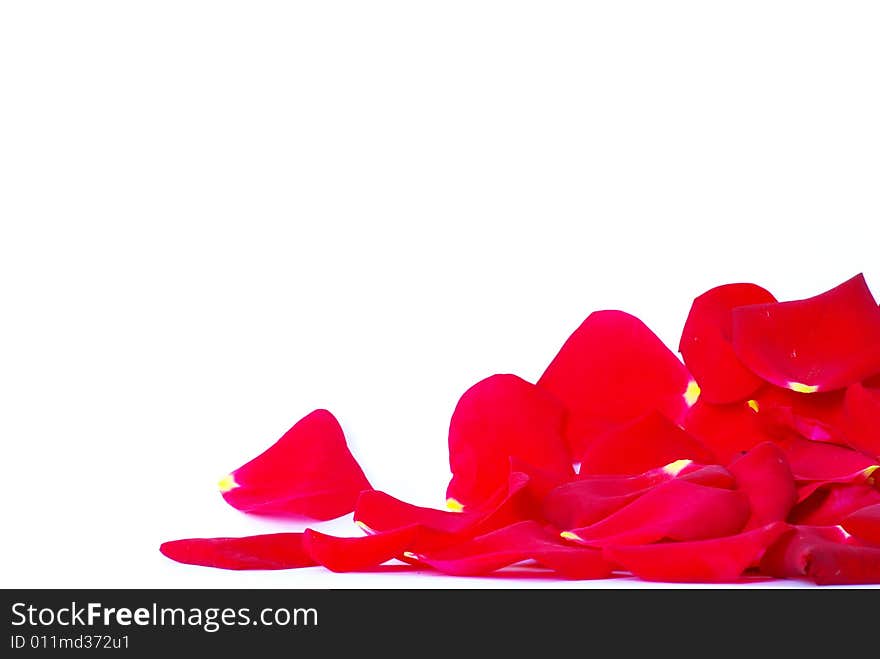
<point>454,505</point>
<point>803,388</point>
<point>692,393</point>
<point>568,535</point>
<point>227,483</point>
<point>675,468</point>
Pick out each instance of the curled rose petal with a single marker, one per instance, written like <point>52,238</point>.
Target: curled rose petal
<point>715,560</point>
<point>822,343</point>
<point>378,512</point>
<point>541,481</point>
<point>865,476</point>
<point>726,430</point>
<point>706,348</point>
<point>772,413</point>
<point>817,416</point>
<point>360,553</point>
<point>612,485</point>
<point>864,524</point>
<point>781,420</point>
<point>611,370</point>
<point>308,472</point>
<point>862,416</point>
<point>274,551</point>
<point>573,506</point>
<point>589,499</point>
<point>809,552</point>
<point>831,504</point>
<point>708,475</point>
<point>764,476</point>
<point>514,544</point>
<point>498,418</point>
<point>676,510</point>
<point>648,442</point>
<point>817,461</point>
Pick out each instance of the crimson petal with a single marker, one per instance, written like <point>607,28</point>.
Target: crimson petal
<point>706,348</point>
<point>648,442</point>
<point>726,430</point>
<point>514,544</point>
<point>831,504</point>
<point>498,418</point>
<point>612,485</point>
<point>589,499</point>
<point>764,476</point>
<point>541,481</point>
<point>677,510</point>
<point>308,472</point>
<point>818,461</point>
<point>361,553</point>
<point>378,512</point>
<point>861,477</point>
<point>611,370</point>
<point>809,552</point>
<point>822,343</point>
<point>816,416</point>
<point>864,524</point>
<point>274,551</point>
<point>715,560</point>
<point>862,416</point>
<point>708,475</point>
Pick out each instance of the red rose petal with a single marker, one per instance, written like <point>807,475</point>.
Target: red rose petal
<point>780,420</point>
<point>274,551</point>
<point>708,475</point>
<point>378,512</point>
<point>726,430</point>
<point>831,504</point>
<point>864,524</point>
<point>541,481</point>
<point>676,510</point>
<point>862,416</point>
<point>514,544</point>
<point>498,418</point>
<point>861,477</point>
<point>764,476</point>
<point>570,507</point>
<point>591,498</point>
<point>817,416</point>
<point>825,342</point>
<point>772,413</point>
<point>648,442</point>
<point>823,406</point>
<point>309,471</point>
<point>817,461</point>
<point>808,552</point>
<point>706,348</point>
<point>715,560</point>
<point>612,485</point>
<point>361,553</point>
<point>611,370</point>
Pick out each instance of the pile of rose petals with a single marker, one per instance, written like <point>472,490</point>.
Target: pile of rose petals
<point>755,457</point>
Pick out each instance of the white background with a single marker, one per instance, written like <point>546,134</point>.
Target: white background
<point>218,216</point>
